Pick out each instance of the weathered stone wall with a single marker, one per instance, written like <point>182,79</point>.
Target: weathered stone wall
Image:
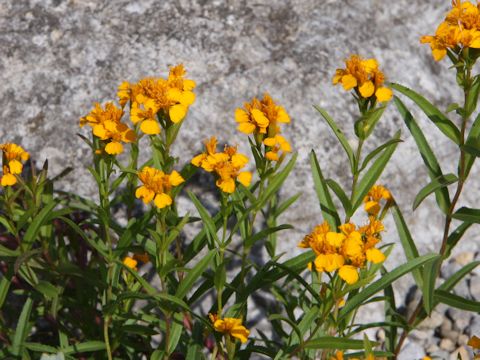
<point>59,57</point>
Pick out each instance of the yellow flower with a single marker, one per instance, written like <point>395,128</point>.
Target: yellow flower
<point>459,30</point>
<point>345,251</point>
<point>262,118</point>
<point>131,263</point>
<point>230,326</point>
<point>338,356</point>
<point>157,186</point>
<point>12,157</point>
<point>275,144</point>
<point>226,165</point>
<point>349,274</point>
<point>172,97</point>
<point>373,198</point>
<point>144,111</point>
<point>365,77</point>
<point>107,127</point>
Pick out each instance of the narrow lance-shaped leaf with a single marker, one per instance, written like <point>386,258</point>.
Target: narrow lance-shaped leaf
<point>372,175</point>
<point>21,332</point>
<point>431,162</point>
<point>440,182</point>
<point>457,301</point>
<point>339,134</point>
<point>468,215</point>
<point>382,283</point>
<point>377,151</point>
<point>472,138</point>
<point>187,283</point>
<point>455,237</point>
<point>472,99</point>
<point>443,123</point>
<point>326,204</point>
<point>337,189</point>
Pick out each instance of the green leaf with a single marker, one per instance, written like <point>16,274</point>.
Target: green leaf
<point>289,322</point>
<point>468,215</point>
<point>337,189</point>
<point>365,125</point>
<point>187,283</point>
<point>452,107</point>
<point>87,346</point>
<point>286,204</point>
<point>47,289</point>
<point>457,301</point>
<point>429,278</point>
<point>382,283</point>
<point>339,134</point>
<point>4,286</point>
<point>276,182</point>
<point>453,280</point>
<point>443,123</point>
<point>194,352</point>
<point>372,175</point>
<point>472,139</point>
<point>21,332</point>
<point>37,222</point>
<point>40,348</point>
<point>266,276</point>
<point>331,342</point>
<point>326,204</point>
<point>455,237</point>
<point>375,152</point>
<point>175,332</point>
<point>431,162</point>
<point>440,182</point>
<point>206,218</point>
<point>264,233</point>
<point>472,99</point>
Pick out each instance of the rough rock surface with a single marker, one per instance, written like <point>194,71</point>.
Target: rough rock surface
<point>60,56</point>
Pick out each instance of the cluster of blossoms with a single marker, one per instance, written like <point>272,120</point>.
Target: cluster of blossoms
<point>226,165</point>
<point>365,77</point>
<point>374,197</point>
<point>151,100</point>
<point>459,30</point>
<point>168,99</point>
<point>348,250</point>
<point>262,118</point>
<point>231,326</point>
<point>339,356</point>
<point>107,126</point>
<point>12,157</point>
<point>157,186</point>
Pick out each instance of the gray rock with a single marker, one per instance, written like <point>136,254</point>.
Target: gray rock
<point>411,350</point>
<point>447,345</point>
<point>460,319</point>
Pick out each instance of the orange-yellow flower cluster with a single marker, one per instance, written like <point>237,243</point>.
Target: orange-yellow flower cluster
<point>226,165</point>
<point>262,118</point>
<point>157,186</point>
<point>339,356</point>
<point>365,77</point>
<point>345,251</point>
<point>374,197</point>
<point>107,126</point>
<point>460,29</point>
<point>230,326</point>
<point>12,157</point>
<point>169,97</point>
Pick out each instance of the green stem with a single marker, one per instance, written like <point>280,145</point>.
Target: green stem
<point>107,338</point>
<point>448,217</point>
